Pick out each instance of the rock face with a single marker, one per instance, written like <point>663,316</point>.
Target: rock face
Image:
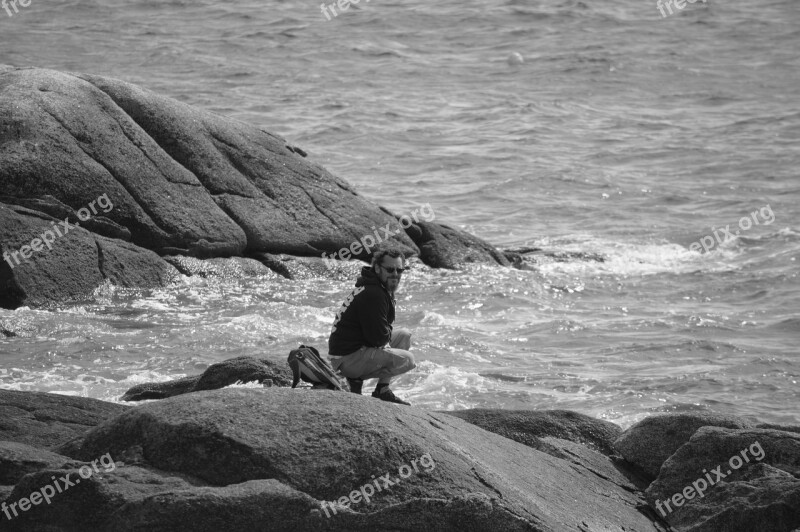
<point>18,459</point>
<point>650,442</point>
<point>127,164</point>
<point>441,246</point>
<point>84,500</point>
<point>272,458</point>
<point>46,420</point>
<point>78,262</point>
<point>244,369</point>
<point>529,427</point>
<point>261,450</point>
<point>253,505</point>
<point>728,479</point>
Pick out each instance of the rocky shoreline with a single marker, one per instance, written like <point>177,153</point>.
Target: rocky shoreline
<point>276,458</point>
<point>139,182</point>
<point>106,182</point>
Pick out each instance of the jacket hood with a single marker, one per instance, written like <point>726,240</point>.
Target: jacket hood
<point>368,277</point>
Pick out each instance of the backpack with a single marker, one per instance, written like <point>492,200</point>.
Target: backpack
<point>306,364</point>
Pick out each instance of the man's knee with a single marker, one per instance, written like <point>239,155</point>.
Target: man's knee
<point>410,362</point>
<point>401,339</point>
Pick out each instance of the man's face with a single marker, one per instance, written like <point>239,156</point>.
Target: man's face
<point>390,279</point>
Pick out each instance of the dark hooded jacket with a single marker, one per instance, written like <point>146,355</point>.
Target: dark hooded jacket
<point>365,318</point>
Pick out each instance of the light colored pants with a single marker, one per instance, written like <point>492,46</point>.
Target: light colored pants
<point>380,363</point>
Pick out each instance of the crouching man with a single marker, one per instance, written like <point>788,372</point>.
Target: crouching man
<point>363,328</point>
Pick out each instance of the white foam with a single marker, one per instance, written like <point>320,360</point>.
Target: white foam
<point>441,387</point>
<point>630,259</point>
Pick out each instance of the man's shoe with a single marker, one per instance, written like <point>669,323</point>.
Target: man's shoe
<point>388,395</point>
<point>355,385</point>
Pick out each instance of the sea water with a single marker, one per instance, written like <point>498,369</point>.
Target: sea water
<point>601,132</point>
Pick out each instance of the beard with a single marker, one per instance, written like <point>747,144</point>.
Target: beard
<point>392,284</point>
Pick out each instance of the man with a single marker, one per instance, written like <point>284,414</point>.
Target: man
<point>363,328</point>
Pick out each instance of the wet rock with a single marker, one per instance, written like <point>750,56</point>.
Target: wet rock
<point>441,246</point>
<point>528,258</point>
<point>72,266</point>
<point>310,267</point>
<point>232,268</point>
<point>160,390</point>
<point>245,369</point>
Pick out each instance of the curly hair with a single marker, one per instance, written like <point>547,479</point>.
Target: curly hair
<point>395,253</point>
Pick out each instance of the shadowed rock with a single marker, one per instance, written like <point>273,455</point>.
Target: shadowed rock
<point>749,481</point>
<point>160,390</point>
<point>46,420</point>
<point>244,369</point>
<point>48,204</point>
<point>648,443</point>
<point>253,505</point>
<point>18,459</point>
<point>87,503</point>
<point>77,263</point>
<point>325,444</point>
<point>5,491</point>
<point>441,246</point>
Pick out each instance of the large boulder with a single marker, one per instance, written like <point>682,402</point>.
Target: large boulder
<point>240,369</point>
<point>282,202</point>
<point>325,446</point>
<point>132,165</point>
<point>179,178</point>
<point>648,443</point>
<point>46,420</point>
<point>729,479</point>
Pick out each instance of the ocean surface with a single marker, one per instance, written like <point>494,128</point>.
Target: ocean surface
<point>593,130</point>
